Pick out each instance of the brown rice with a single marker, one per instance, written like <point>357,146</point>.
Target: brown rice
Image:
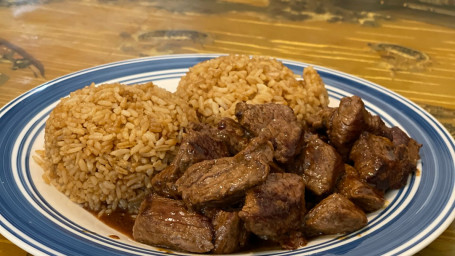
<point>103,144</point>
<point>214,87</point>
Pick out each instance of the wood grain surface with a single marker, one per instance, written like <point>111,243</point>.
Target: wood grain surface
<point>405,46</point>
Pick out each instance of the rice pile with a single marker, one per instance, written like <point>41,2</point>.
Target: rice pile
<point>214,87</point>
<point>103,144</point>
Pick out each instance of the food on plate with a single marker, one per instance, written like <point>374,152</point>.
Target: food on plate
<point>104,143</point>
<point>221,181</point>
<point>335,214</point>
<point>313,191</point>
<point>214,87</point>
<point>167,222</point>
<point>243,151</point>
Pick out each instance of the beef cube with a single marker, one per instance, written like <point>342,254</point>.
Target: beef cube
<point>230,233</point>
<point>347,124</point>
<point>223,180</point>
<point>376,126</point>
<point>276,207</point>
<point>334,214</point>
<point>401,139</point>
<point>256,117</point>
<point>360,193</point>
<point>322,120</point>
<point>293,240</point>
<point>322,165</point>
<point>384,163</point>
<point>197,145</point>
<point>166,222</point>
<point>344,124</point>
<point>407,156</point>
<point>233,135</point>
<point>276,122</point>
<point>374,158</point>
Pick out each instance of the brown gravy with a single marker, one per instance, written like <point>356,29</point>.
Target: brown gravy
<point>118,220</point>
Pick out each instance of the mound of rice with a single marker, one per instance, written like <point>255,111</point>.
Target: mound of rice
<point>103,144</point>
<point>214,87</point>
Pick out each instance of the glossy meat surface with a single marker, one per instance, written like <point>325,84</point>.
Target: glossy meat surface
<point>197,145</point>
<point>322,165</point>
<point>276,207</point>
<point>166,222</point>
<point>274,121</point>
<point>360,193</point>
<point>333,215</point>
<point>230,234</point>
<point>225,180</point>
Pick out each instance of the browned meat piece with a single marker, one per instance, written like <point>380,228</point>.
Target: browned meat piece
<point>343,124</point>
<point>218,181</point>
<point>297,164</point>
<point>233,135</point>
<point>276,122</point>
<point>347,124</point>
<point>322,165</point>
<point>166,222</point>
<point>401,139</point>
<point>407,157</point>
<point>285,137</point>
<point>257,117</point>
<point>293,240</point>
<point>397,136</point>
<point>322,120</point>
<point>385,164</point>
<point>275,208</point>
<point>196,146</point>
<point>230,233</point>
<point>376,126</point>
<point>360,193</point>
<point>334,214</point>
<point>375,160</point>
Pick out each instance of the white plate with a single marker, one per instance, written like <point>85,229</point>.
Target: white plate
<point>41,220</point>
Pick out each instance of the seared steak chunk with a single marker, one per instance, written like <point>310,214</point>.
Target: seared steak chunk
<point>376,126</point>
<point>383,164</point>
<point>322,120</point>
<point>334,214</point>
<point>407,157</point>
<point>166,222</point>
<point>293,240</point>
<point>196,146</point>
<point>230,233</point>
<point>276,122</point>
<point>322,165</point>
<point>257,117</point>
<point>360,193</point>
<point>233,135</point>
<point>223,180</point>
<point>374,158</point>
<point>346,124</point>
<point>275,208</point>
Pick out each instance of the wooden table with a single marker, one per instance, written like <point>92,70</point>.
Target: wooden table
<point>406,46</point>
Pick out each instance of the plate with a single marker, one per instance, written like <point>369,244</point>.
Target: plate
<point>41,220</point>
